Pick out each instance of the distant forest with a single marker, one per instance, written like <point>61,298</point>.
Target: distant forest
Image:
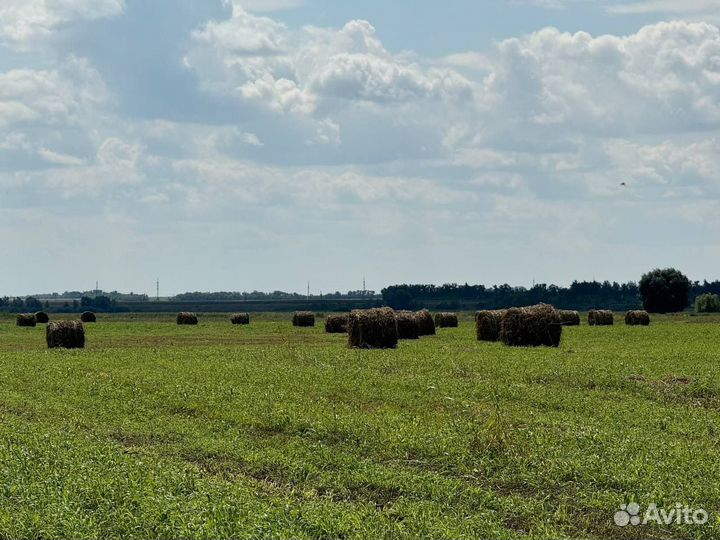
<point>581,295</point>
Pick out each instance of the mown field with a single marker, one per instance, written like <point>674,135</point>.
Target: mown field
<point>270,431</point>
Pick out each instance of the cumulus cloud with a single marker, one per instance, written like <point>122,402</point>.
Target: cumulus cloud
<point>556,85</point>
<point>24,23</point>
<point>259,59</point>
<point>244,35</point>
<point>54,97</point>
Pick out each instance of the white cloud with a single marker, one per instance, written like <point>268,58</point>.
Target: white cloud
<point>205,182</point>
<point>50,97</point>
<point>57,158</point>
<point>675,165</point>
<point>259,59</point>
<point>279,94</point>
<point>24,23</point>
<point>664,78</point>
<point>251,139</point>
<point>117,164</point>
<point>470,60</point>
<point>244,34</point>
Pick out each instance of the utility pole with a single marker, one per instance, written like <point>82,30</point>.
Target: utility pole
<point>308,292</point>
<point>97,288</point>
<point>157,289</point>
<point>364,289</point>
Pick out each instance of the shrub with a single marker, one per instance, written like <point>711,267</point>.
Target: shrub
<point>707,303</point>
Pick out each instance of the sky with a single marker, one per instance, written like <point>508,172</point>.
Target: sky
<point>261,144</point>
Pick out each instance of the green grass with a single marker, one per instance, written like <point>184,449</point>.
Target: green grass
<point>270,431</point>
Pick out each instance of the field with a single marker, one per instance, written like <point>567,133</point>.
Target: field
<point>221,431</point>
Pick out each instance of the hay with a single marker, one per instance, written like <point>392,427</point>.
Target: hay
<point>637,318</point>
<point>42,317</point>
<point>240,318</point>
<point>446,320</point>
<point>408,325</point>
<point>600,317</point>
<point>372,329</point>
<point>25,319</point>
<point>303,318</point>
<point>487,324</point>
<point>425,322</point>
<point>569,317</point>
<point>65,334</point>
<point>531,326</point>
<point>185,317</point>
<point>87,316</point>
<point>336,324</point>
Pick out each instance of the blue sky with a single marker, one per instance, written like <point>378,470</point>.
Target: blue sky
<point>259,144</point>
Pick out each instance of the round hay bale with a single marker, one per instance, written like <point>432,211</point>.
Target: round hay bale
<point>569,317</point>
<point>408,325</point>
<point>531,326</point>
<point>303,318</point>
<point>374,328</point>
<point>87,317</point>
<point>42,318</point>
<point>425,322</point>
<point>336,324</point>
<point>185,317</point>
<point>25,319</point>
<point>446,320</point>
<point>65,334</point>
<point>487,324</point>
<point>240,318</point>
<point>637,318</point>
<point>600,317</point>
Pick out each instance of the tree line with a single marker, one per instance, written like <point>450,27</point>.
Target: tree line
<point>658,291</point>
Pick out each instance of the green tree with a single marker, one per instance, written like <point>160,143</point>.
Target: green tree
<point>33,304</point>
<point>664,291</point>
<point>707,303</point>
